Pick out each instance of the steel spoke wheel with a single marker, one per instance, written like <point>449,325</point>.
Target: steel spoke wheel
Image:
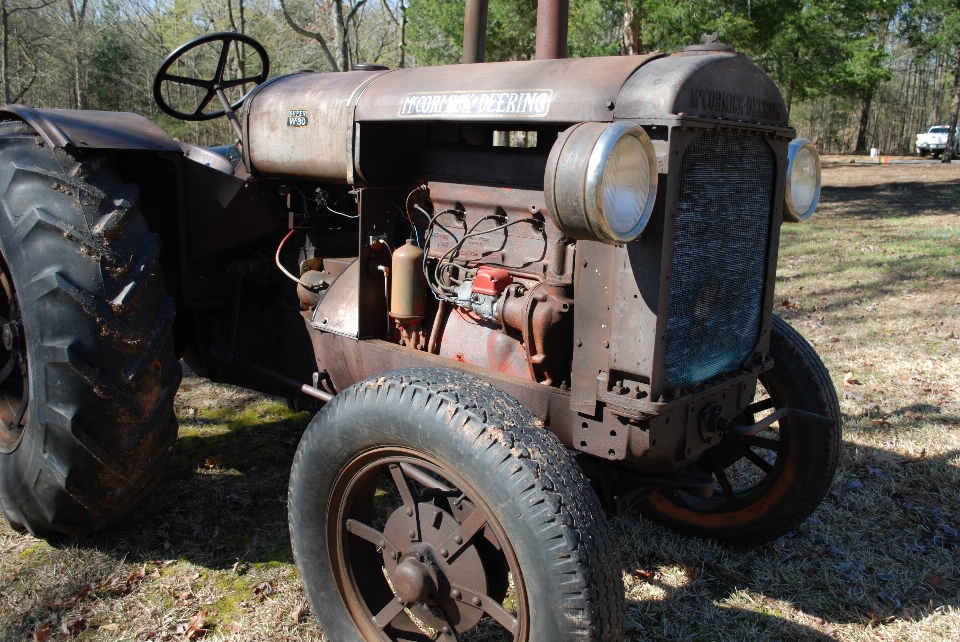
<point>765,484</point>
<point>418,550</point>
<point>428,505</point>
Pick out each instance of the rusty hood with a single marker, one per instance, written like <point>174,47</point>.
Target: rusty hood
<point>305,125</point>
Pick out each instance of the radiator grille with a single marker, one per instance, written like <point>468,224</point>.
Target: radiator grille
<point>719,254</point>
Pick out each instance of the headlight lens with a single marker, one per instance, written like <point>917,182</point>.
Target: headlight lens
<point>803,181</point>
<point>601,182</point>
<point>625,187</point>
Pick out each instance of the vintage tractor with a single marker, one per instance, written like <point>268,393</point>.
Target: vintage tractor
<point>518,295</point>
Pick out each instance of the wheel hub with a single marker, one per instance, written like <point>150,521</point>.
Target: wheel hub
<point>11,336</point>
<point>414,581</point>
<point>425,575</point>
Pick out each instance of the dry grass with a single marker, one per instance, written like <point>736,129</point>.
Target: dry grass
<point>873,281</point>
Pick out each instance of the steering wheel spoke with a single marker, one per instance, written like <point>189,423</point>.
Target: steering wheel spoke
<point>183,80</point>
<point>226,40</point>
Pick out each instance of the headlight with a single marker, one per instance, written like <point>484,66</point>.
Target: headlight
<point>601,182</point>
<point>803,181</point>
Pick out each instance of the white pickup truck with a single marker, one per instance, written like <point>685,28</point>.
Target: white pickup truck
<point>935,141</point>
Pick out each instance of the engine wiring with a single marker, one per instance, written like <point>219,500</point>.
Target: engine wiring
<point>290,276</point>
<point>319,202</point>
<point>445,263</point>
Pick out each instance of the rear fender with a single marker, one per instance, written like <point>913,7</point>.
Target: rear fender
<point>85,129</point>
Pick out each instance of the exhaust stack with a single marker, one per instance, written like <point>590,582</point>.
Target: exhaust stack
<point>474,31</point>
<point>552,17</point>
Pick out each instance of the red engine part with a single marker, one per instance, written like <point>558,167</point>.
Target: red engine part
<point>492,281</point>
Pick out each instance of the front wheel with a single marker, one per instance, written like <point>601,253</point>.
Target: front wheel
<point>766,484</point>
<point>426,504</point>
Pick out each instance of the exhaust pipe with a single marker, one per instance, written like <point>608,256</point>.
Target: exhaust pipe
<point>552,17</point>
<point>474,32</point>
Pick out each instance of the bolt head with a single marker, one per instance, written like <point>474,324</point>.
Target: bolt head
<point>409,512</point>
<point>458,539</point>
<point>412,534</point>
<point>475,600</point>
<point>444,552</point>
<point>455,594</point>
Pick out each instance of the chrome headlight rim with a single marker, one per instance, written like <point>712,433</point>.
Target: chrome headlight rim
<point>596,170</point>
<point>790,210</point>
<point>574,180</point>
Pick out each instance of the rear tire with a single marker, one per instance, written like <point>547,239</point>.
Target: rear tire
<point>471,443</point>
<point>96,336</point>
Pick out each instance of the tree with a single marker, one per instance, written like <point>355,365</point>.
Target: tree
<point>339,26</point>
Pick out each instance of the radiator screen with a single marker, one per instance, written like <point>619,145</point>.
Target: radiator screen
<point>719,256</point>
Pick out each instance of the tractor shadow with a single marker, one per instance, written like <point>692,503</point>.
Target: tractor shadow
<point>891,199</point>
<point>883,546</point>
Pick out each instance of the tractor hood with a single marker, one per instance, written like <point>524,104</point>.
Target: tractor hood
<point>305,125</point>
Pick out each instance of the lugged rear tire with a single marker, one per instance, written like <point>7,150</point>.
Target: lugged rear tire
<point>97,336</point>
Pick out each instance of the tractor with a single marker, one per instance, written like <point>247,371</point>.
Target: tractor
<point>520,297</point>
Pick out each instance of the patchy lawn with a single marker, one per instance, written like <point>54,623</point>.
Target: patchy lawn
<point>873,281</point>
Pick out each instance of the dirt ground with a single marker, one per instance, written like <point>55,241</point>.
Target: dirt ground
<point>873,281</point>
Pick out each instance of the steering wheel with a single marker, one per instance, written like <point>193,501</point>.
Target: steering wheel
<point>215,86</point>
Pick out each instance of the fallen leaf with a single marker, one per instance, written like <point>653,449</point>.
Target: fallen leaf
<point>109,627</point>
<point>876,423</point>
<point>911,415</point>
<point>12,575</point>
<point>43,633</point>
<point>137,575</point>
<point>295,614</point>
<point>195,627</point>
<point>646,575</point>
<point>77,626</point>
<point>213,462</point>
<point>234,627</point>
<point>263,589</point>
<point>691,571</point>
<point>194,576</point>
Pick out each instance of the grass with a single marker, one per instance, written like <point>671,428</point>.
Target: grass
<point>873,281</point>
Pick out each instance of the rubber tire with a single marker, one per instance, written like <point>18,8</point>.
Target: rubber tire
<point>798,380</point>
<point>537,491</point>
<point>97,322</point>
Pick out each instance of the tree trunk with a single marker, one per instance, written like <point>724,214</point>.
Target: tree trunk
<point>864,121</point>
<point>632,27</point>
<point>954,108</point>
<point>403,34</point>
<point>6,53</point>
<point>339,35</point>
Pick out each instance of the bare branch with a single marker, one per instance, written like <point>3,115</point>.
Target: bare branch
<point>313,35</point>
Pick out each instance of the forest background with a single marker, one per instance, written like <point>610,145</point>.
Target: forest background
<point>855,73</point>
